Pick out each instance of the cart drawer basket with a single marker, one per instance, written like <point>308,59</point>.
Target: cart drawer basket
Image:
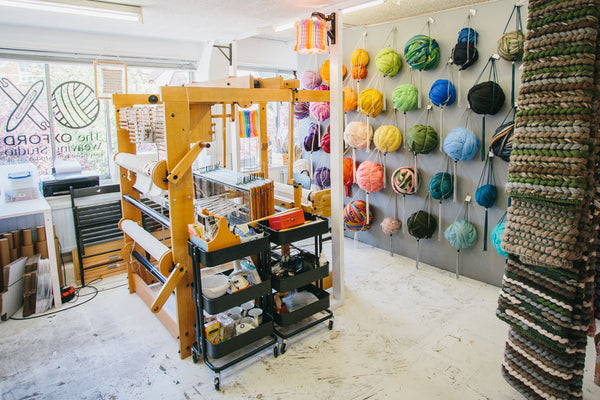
<point>237,342</point>
<point>306,311</point>
<point>301,279</point>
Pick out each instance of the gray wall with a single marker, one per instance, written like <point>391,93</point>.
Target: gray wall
<point>489,23</point>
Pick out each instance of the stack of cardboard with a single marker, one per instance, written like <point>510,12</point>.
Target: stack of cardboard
<point>30,285</point>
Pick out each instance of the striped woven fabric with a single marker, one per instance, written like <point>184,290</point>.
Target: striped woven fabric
<point>551,229</point>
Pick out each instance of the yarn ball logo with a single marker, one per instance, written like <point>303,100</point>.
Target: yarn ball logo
<point>74,105</point>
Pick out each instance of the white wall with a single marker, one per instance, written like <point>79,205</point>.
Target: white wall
<point>267,53</point>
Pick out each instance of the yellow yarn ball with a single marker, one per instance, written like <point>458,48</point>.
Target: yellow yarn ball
<point>387,138</point>
<point>370,102</point>
<point>359,57</point>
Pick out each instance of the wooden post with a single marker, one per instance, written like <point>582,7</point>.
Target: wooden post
<point>264,141</point>
<point>291,160</point>
<point>224,134</point>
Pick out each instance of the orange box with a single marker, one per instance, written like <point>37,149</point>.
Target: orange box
<point>287,219</point>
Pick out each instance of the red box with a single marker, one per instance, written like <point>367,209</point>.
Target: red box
<point>287,219</point>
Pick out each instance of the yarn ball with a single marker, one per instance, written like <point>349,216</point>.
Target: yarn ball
<point>422,52</point>
<point>310,79</point>
<point>486,98</point>
<point>442,93</point>
<point>323,177</point>
<point>311,142</point>
<point>502,141</point>
<point>422,139</point>
<point>440,186</point>
<point>461,234</point>
<point>512,45</point>
<point>421,225</point>
<point>390,225</point>
<point>359,57</point>
<point>350,98</point>
<point>358,72</point>
<point>355,216</point>
<point>319,110</point>
<point>496,238</point>
<point>387,138</point>
<point>468,35</point>
<point>405,97</point>
<point>388,62</point>
<point>325,71</point>
<point>370,102</point>
<point>75,105</point>
<point>461,144</point>
<point>313,128</point>
<point>326,143</point>
<point>464,54</point>
<point>322,87</point>
<point>301,109</point>
<point>486,195</point>
<point>357,136</point>
<point>403,180</point>
<point>369,176</point>
<point>348,171</point>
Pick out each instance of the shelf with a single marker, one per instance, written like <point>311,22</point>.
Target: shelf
<point>227,301</point>
<point>301,279</point>
<point>213,258</point>
<point>306,311</point>
<point>318,226</point>
<point>237,342</point>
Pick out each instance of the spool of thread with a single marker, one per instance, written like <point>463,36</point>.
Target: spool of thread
<point>511,46</point>
<point>496,238</point>
<point>370,102</point>
<point>461,144</point>
<point>442,93</point>
<point>421,225</point>
<point>461,234</point>
<point>422,52</point>
<point>403,180</point>
<point>310,79</point>
<point>405,97</point>
<point>387,138</point>
<point>390,225</point>
<point>323,177</point>
<point>358,135</point>
<point>422,139</point>
<point>388,62</point>
<point>370,176</point>
<point>355,216</point>
<point>486,98</point>
<point>441,186</point>
<point>301,109</point>
<point>486,195</point>
<point>350,98</point>
<point>319,110</point>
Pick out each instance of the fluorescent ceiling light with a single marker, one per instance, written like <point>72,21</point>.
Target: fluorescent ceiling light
<point>81,7</point>
<point>284,27</point>
<point>362,6</point>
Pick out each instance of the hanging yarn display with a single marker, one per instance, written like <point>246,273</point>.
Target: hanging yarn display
<point>350,98</point>
<point>461,144</point>
<point>440,186</point>
<point>422,139</point>
<point>326,143</point>
<point>358,135</point>
<point>370,102</point>
<point>388,62</point>
<point>421,225</point>
<point>502,141</point>
<point>405,97</point>
<point>442,93</point>
<point>349,168</point>
<point>496,238</point>
<point>464,54</point>
<point>311,141</point>
<point>323,177</point>
<point>387,138</point>
<point>356,217</point>
<point>325,71</point>
<point>359,59</point>
<point>301,109</point>
<point>422,52</point>
<point>404,182</point>
<point>468,35</point>
<point>486,193</point>
<point>358,72</point>
<point>319,110</point>
<point>461,234</point>
<point>511,46</point>
<point>390,225</point>
<point>310,79</point>
<point>369,176</point>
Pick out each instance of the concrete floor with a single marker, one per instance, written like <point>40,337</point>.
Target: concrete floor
<point>401,333</point>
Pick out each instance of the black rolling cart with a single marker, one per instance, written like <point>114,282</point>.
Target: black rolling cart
<point>288,324</point>
<point>244,346</point>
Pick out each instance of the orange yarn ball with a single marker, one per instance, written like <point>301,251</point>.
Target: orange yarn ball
<point>350,98</point>
<point>358,72</point>
<point>325,71</point>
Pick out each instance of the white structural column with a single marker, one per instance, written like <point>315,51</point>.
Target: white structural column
<point>337,165</point>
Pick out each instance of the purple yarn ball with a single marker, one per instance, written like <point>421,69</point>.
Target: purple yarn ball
<point>323,177</point>
<point>310,79</point>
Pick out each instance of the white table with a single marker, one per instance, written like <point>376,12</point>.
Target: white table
<point>37,206</point>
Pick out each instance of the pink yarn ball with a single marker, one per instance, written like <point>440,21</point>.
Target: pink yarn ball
<point>390,225</point>
<point>369,176</point>
<point>322,87</point>
<point>301,109</point>
<point>326,143</point>
<point>310,79</point>
<point>319,110</point>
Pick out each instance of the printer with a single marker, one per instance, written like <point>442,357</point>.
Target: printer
<point>60,184</point>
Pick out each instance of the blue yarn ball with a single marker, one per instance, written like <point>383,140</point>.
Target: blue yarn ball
<point>442,93</point>
<point>496,238</point>
<point>468,35</point>
<point>486,195</point>
<point>461,234</point>
<point>440,186</point>
<point>461,144</point>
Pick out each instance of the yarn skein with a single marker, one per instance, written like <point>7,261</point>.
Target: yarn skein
<point>370,102</point>
<point>403,180</point>
<point>358,72</point>
<point>325,71</point>
<point>319,110</point>
<point>461,144</point>
<point>326,143</point>
<point>387,138</point>
<point>461,234</point>
<point>357,135</point>
<point>422,52</point>
<point>486,195</point>
<point>355,216</point>
<point>496,238</point>
<point>421,225</point>
<point>359,57</point>
<point>390,225</point>
<point>442,93</point>
<point>310,79</point>
<point>511,46</point>
<point>464,54</point>
<point>441,186</point>
<point>370,176</point>
<point>323,177</point>
<point>349,167</point>
<point>422,139</point>
<point>350,98</point>
<point>468,35</point>
<point>486,98</point>
<point>388,62</point>
<point>311,141</point>
<point>502,141</point>
<point>301,109</point>
<point>405,97</point>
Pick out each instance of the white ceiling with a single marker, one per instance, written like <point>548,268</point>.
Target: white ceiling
<point>220,20</point>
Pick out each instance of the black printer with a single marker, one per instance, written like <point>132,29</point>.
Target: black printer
<point>60,184</point>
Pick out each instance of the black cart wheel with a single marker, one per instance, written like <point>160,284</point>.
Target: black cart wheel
<point>194,357</point>
<point>275,351</point>
<point>217,382</point>
<point>330,326</point>
<point>283,348</point>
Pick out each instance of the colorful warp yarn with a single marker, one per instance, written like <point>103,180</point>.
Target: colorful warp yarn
<point>248,123</point>
<point>550,232</point>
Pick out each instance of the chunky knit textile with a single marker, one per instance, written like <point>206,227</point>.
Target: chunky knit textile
<point>551,226</point>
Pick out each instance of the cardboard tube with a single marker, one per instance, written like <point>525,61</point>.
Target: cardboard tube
<point>27,237</point>
<point>16,239</point>
<point>41,233</point>
<point>14,254</point>
<point>9,237</point>
<point>4,252</point>
<point>42,248</point>
<point>27,251</point>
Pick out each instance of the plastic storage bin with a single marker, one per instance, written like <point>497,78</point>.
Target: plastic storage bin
<point>19,182</point>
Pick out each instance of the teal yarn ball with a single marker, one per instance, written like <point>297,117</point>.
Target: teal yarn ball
<point>486,195</point>
<point>388,62</point>
<point>461,234</point>
<point>422,52</point>
<point>422,139</point>
<point>496,238</point>
<point>461,144</point>
<point>405,97</point>
<point>440,186</point>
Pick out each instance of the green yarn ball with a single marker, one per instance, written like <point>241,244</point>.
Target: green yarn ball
<point>388,62</point>
<point>461,234</point>
<point>422,139</point>
<point>422,52</point>
<point>421,225</point>
<point>512,45</point>
<point>405,97</point>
